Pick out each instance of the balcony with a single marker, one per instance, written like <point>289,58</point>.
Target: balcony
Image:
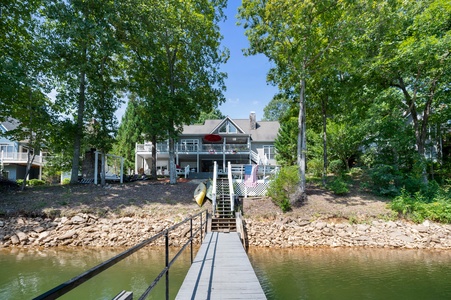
<point>194,148</point>
<point>21,158</point>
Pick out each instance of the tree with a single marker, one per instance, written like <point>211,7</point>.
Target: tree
<point>285,148</point>
<point>82,52</point>
<point>175,64</point>
<point>408,49</point>
<point>129,133</point>
<point>34,125</point>
<point>294,35</point>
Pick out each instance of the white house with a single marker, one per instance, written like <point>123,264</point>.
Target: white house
<point>14,155</point>
<point>238,141</point>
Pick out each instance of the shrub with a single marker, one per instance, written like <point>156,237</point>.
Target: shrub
<point>338,186</point>
<point>283,186</point>
<point>8,185</point>
<point>385,180</point>
<point>65,181</point>
<point>35,182</point>
<point>356,171</point>
<point>336,166</point>
<point>418,208</point>
<point>19,182</point>
<point>315,166</point>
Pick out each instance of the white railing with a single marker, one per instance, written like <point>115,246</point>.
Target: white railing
<point>231,192</point>
<point>22,157</point>
<point>213,193</point>
<point>255,157</point>
<point>192,148</point>
<point>263,171</point>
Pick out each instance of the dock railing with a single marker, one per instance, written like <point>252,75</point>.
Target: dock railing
<point>78,280</point>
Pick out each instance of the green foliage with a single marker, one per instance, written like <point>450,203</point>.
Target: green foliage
<point>418,208</point>
<point>65,181</point>
<point>336,166</point>
<point>338,186</point>
<point>315,166</point>
<point>36,182</point>
<point>286,143</point>
<point>283,186</point>
<point>385,180</point>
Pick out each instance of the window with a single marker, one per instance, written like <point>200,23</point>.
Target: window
<point>269,152</point>
<point>8,150</point>
<point>227,127</point>
<point>189,145</point>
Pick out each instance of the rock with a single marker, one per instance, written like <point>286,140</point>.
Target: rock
<point>22,236</point>
<point>38,229</point>
<point>67,235</point>
<point>78,219</point>
<point>2,224</point>
<point>14,240</point>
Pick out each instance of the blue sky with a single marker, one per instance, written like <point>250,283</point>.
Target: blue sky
<point>247,89</point>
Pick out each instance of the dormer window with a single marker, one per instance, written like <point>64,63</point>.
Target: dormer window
<point>227,127</point>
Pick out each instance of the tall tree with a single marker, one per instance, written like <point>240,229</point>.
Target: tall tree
<point>294,35</point>
<point>408,45</point>
<point>82,50</point>
<point>175,57</point>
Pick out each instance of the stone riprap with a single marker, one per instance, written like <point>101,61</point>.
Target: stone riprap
<point>377,233</point>
<point>91,231</point>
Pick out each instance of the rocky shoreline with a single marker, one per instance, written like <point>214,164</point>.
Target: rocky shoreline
<point>88,230</point>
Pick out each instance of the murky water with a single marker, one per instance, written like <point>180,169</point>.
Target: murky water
<point>353,273</point>
<point>285,274</point>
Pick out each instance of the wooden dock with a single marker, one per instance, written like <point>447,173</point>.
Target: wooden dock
<point>221,270</point>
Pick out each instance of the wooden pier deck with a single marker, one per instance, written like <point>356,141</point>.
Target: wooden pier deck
<point>221,270</point>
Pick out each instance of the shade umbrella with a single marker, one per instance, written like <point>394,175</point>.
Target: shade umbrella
<point>212,138</point>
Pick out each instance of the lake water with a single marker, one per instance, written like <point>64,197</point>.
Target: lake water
<point>340,273</point>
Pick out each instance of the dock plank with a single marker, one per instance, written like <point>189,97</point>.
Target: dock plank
<point>221,270</point>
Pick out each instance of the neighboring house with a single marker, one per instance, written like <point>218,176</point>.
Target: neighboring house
<point>14,155</point>
<point>238,141</point>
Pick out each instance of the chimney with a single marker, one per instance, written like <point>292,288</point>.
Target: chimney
<point>253,120</point>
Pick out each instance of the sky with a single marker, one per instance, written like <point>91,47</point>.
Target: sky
<point>247,89</point>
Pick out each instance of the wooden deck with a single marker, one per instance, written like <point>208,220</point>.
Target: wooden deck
<point>221,270</point>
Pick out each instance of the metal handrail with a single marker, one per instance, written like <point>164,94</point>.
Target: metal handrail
<point>80,279</point>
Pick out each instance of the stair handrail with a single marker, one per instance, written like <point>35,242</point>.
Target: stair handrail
<point>213,192</point>
<point>231,192</point>
<point>255,157</point>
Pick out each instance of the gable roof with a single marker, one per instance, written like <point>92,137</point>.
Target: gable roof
<point>265,130</point>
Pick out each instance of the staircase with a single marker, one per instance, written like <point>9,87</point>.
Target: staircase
<point>224,218</point>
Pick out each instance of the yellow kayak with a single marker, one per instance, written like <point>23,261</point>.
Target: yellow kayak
<point>199,194</point>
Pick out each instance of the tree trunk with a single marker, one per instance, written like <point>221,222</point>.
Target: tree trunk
<point>153,168</point>
<point>79,133</point>
<point>102,169</point>
<point>325,162</point>
<point>302,147</point>
<point>30,159</point>
<point>172,172</point>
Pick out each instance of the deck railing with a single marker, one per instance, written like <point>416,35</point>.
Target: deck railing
<point>263,171</point>
<point>76,281</point>
<point>22,157</point>
<point>204,148</point>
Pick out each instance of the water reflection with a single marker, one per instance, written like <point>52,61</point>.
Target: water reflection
<point>311,273</point>
<point>353,273</point>
<point>27,273</point>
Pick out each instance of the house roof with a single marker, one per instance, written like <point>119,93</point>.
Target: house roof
<point>10,124</point>
<point>265,130</point>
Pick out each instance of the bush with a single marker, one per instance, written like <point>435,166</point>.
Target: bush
<point>338,186</point>
<point>315,166</point>
<point>8,185</point>
<point>419,208</point>
<point>336,166</point>
<point>283,186</point>
<point>65,181</point>
<point>35,182</point>
<point>385,180</point>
